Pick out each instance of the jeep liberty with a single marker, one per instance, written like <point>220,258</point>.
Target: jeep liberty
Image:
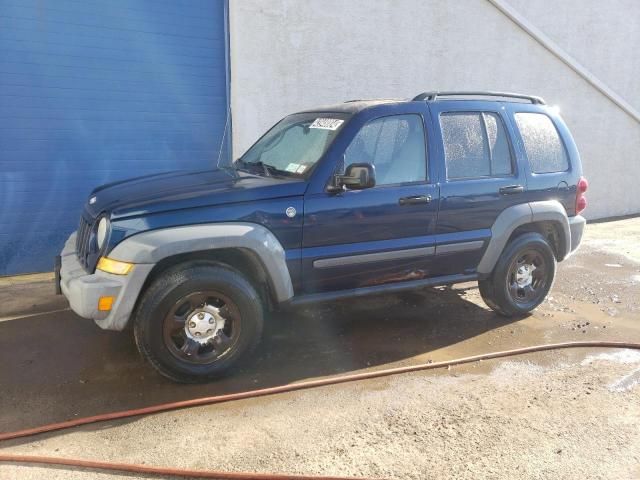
<point>347,200</point>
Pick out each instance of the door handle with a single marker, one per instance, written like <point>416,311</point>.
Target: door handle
<point>511,189</point>
<point>415,200</point>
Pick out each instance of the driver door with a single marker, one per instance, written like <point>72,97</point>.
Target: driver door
<point>383,234</point>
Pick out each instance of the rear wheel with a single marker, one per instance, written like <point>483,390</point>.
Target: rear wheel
<point>522,277</point>
<point>196,321</point>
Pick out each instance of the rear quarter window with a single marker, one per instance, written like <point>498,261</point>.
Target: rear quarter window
<point>542,143</point>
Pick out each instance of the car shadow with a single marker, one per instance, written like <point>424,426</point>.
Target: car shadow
<point>57,366</point>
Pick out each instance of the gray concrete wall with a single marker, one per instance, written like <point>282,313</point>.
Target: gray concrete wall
<point>292,54</point>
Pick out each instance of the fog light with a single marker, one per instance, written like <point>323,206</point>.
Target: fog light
<point>105,304</point>
<point>114,266</point>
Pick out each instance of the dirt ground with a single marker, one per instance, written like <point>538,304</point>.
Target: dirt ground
<point>565,414</point>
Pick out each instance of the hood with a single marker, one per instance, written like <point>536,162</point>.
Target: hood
<point>179,190</point>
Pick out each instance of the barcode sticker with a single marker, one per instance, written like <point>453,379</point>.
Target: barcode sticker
<point>327,123</point>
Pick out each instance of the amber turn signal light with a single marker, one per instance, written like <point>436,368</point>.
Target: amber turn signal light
<point>114,266</point>
<point>105,304</point>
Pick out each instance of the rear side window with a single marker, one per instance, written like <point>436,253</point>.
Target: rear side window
<point>475,145</point>
<point>542,143</point>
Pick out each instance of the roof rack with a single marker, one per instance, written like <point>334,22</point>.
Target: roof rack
<point>374,100</point>
<point>433,96</point>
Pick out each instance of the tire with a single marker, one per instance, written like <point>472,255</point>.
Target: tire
<point>172,320</point>
<point>527,258</point>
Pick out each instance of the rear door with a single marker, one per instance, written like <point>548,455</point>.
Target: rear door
<point>479,178</point>
<point>382,234</point>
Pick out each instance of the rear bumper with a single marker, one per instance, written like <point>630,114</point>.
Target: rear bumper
<point>83,290</point>
<point>576,226</point>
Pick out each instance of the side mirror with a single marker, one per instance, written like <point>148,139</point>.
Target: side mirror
<point>358,176</point>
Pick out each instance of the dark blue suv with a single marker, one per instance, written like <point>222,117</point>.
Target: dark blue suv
<point>341,201</point>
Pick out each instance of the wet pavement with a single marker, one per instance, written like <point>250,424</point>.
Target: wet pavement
<point>56,366</point>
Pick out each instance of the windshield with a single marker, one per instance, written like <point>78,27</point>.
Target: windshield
<point>294,145</point>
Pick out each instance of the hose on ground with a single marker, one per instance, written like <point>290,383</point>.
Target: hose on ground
<point>160,471</point>
<point>144,469</point>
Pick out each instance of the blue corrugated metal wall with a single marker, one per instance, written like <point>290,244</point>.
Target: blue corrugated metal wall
<point>97,90</point>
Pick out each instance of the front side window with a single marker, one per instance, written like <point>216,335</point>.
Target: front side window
<point>395,145</point>
<point>475,145</point>
<point>294,145</point>
<point>542,143</point>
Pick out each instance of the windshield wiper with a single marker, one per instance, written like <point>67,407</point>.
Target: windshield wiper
<point>269,170</point>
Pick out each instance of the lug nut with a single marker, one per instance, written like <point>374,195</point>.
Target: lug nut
<point>192,324</point>
<point>209,332</point>
<point>201,316</point>
<point>211,320</point>
<point>197,334</point>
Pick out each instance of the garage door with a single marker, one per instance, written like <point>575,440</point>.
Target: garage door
<point>93,91</point>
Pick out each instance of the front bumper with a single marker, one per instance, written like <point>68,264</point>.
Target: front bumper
<point>83,290</point>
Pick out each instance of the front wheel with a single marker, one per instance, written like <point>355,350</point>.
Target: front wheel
<point>196,320</point>
<point>522,277</point>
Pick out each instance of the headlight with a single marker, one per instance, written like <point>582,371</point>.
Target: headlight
<point>103,230</point>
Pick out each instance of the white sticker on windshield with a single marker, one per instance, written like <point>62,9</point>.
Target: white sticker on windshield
<point>292,167</point>
<point>327,123</point>
<point>301,169</point>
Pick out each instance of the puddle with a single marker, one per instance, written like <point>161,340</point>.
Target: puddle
<point>623,356</point>
<point>626,383</point>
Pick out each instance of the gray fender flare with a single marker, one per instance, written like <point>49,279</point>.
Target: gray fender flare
<point>152,246</point>
<point>517,215</point>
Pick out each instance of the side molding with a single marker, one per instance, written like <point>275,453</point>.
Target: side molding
<point>373,257</point>
<point>518,215</point>
<point>459,247</point>
<point>152,246</point>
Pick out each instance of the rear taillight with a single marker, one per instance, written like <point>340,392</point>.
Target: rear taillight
<point>581,200</point>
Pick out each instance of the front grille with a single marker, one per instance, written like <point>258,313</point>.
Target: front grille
<point>83,243</point>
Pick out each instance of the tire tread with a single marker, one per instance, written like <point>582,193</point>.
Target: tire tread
<point>493,290</point>
<point>162,286</point>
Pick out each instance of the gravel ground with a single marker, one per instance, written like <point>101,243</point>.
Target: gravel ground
<point>567,414</point>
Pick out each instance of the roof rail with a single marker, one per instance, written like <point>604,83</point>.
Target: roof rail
<point>433,96</point>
